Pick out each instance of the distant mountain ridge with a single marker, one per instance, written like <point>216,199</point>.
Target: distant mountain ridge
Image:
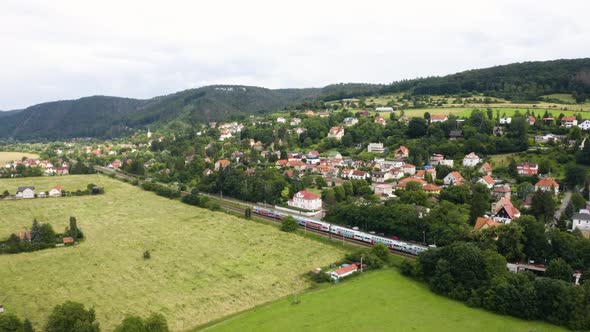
<point>103,116</point>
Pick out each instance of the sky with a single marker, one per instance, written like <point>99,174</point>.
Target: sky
<point>62,49</point>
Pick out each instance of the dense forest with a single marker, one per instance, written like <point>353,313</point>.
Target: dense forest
<point>105,117</point>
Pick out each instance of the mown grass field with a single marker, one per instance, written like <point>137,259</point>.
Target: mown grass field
<point>204,265</point>
<point>377,301</point>
<point>10,156</point>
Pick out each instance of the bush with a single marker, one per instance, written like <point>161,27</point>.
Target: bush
<point>289,224</point>
<point>147,254</point>
<point>408,268</point>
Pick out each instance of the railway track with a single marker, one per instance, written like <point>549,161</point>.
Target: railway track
<point>327,235</point>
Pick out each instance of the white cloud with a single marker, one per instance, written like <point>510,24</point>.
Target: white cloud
<point>67,49</point>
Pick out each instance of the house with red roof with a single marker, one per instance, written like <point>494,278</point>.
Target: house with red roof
<point>483,223</point>
<point>221,164</point>
<point>486,169</point>
<point>531,120</point>
<point>471,160</point>
<point>527,168</point>
<point>487,181</point>
<point>438,118</point>
<point>569,121</point>
<point>504,211</point>
<point>502,191</point>
<point>336,133</point>
<point>55,192</point>
<point>380,120</point>
<point>402,152</point>
<point>306,200</point>
<point>547,184</point>
<point>116,164</point>
<point>344,271</point>
<point>404,182</point>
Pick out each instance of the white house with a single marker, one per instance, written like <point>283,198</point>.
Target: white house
<point>453,178</point>
<point>25,192</point>
<point>306,200</point>
<point>487,181</point>
<point>581,221</point>
<point>384,109</point>
<point>349,122</point>
<point>280,119</point>
<point>505,120</point>
<point>438,118</point>
<point>471,160</point>
<point>295,122</point>
<point>55,192</point>
<point>547,184</point>
<point>359,175</point>
<point>224,135</point>
<point>569,121</point>
<point>383,189</point>
<point>376,148</point>
<point>344,271</point>
<point>585,125</point>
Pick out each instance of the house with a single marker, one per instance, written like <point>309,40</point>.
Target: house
<point>432,189</point>
<point>505,120</point>
<point>280,119</point>
<point>585,125</point>
<point>336,133</point>
<point>504,211</point>
<point>300,131</point>
<point>309,113</point>
<point>547,184</point>
<point>359,175</point>
<point>550,138</point>
<point>55,192</point>
<point>344,271</point>
<point>471,160</point>
<point>403,183</point>
<point>25,192</point>
<point>438,118</point>
<point>455,135</point>
<point>569,121</point>
<point>453,179</point>
<point>383,189</point>
<point>24,236</point>
<point>487,181</point>
<point>68,240</point>
<point>409,169</point>
<point>306,200</point>
<point>527,168</point>
<point>402,152</point>
<point>116,164</point>
<point>380,120</point>
<point>501,191</point>
<point>294,122</point>
<point>384,109</point>
<point>281,163</point>
<point>439,159</point>
<point>376,148</point>
<point>221,164</point>
<point>207,172</point>
<point>225,135</point>
<point>581,221</point>
<point>486,169</point>
<point>483,223</point>
<point>349,122</point>
<point>363,113</point>
<point>381,177</point>
<point>531,120</point>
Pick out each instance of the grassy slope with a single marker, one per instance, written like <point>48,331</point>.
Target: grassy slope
<point>10,156</point>
<point>204,265</point>
<point>377,301</point>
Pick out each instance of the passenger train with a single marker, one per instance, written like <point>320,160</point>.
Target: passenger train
<point>406,247</point>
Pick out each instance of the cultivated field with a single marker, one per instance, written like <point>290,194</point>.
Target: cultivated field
<point>204,265</point>
<point>10,156</point>
<point>377,301</point>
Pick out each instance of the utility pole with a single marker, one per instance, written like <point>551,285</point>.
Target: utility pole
<point>362,263</point>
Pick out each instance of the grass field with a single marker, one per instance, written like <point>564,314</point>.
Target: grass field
<point>204,265</point>
<point>377,301</point>
<point>10,156</point>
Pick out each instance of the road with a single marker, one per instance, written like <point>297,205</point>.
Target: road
<point>563,206</point>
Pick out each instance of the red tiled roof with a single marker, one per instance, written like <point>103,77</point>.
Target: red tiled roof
<point>488,179</point>
<point>569,118</point>
<point>481,222</point>
<point>346,269</point>
<point>547,182</point>
<point>68,239</point>
<point>306,195</point>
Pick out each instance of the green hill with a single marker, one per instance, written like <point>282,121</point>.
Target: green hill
<point>101,116</point>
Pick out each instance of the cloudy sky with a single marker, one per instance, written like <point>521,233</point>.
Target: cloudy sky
<point>62,49</point>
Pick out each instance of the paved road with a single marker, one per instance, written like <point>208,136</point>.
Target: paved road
<point>564,203</point>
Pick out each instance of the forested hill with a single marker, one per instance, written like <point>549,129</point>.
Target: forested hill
<point>525,81</point>
<point>103,117</point>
